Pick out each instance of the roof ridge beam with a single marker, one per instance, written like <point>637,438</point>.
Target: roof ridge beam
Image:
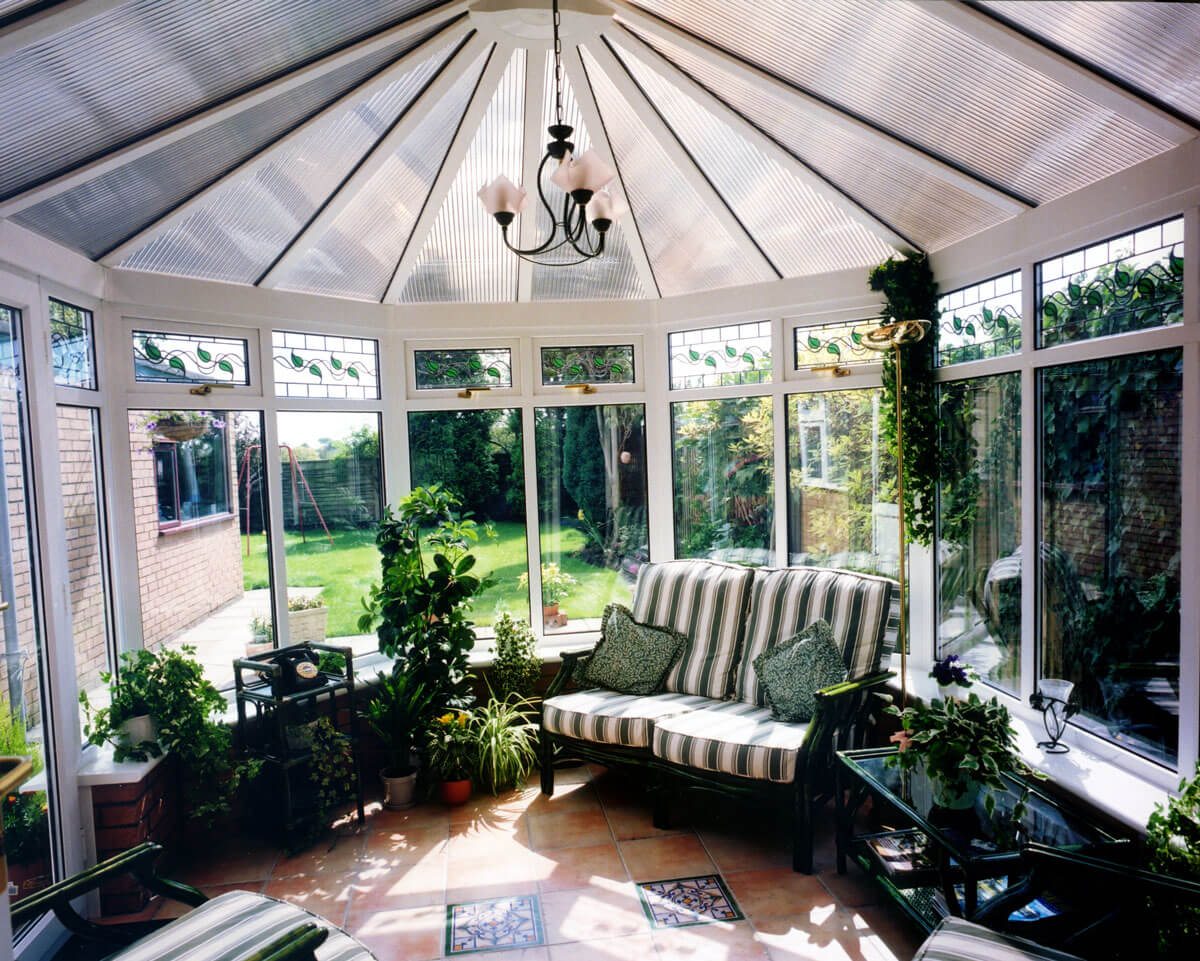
<point>460,143</point>
<point>886,141</point>
<point>675,75</point>
<point>97,166</point>
<point>1072,74</point>
<point>370,163</point>
<point>25,28</point>
<point>113,257</point>
<point>534,150</point>
<point>682,160</point>
<point>598,133</point>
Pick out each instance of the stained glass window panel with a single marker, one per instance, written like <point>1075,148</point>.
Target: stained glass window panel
<point>72,346</point>
<point>163,358</point>
<point>1131,282</point>
<point>840,344</point>
<point>721,356</point>
<point>320,366</point>
<point>980,321</point>
<point>607,364</point>
<point>458,368</point>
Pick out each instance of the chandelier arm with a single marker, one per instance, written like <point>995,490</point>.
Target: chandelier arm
<point>554,224</point>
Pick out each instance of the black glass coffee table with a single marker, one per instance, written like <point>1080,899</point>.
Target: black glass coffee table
<point>934,861</point>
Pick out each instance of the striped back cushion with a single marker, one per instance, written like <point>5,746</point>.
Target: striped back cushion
<point>785,601</point>
<point>706,602</point>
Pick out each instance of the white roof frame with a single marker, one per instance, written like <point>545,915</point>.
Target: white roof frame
<point>221,111</point>
<point>679,158</point>
<point>806,103</point>
<point>489,81</point>
<point>534,150</point>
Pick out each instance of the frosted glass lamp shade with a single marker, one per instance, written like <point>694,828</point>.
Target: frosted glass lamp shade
<point>582,176</point>
<point>1056,688</point>
<point>602,210</point>
<point>503,199</point>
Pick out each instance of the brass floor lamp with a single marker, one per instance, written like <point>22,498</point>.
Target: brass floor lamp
<point>893,336</point>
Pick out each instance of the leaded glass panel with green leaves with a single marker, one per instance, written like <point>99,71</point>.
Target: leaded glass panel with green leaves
<point>169,358</point>
<point>458,368</point>
<point>838,344</point>
<point>591,364</point>
<point>1131,282</point>
<point>726,356</point>
<point>321,366</point>
<point>980,321</point>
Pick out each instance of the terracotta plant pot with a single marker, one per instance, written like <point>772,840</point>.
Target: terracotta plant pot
<point>454,793</point>
<point>398,789</point>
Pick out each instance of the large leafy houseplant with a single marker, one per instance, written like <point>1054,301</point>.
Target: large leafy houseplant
<point>1173,848</point>
<point>421,610</point>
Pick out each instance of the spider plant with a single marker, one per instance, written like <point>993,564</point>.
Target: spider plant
<point>507,742</point>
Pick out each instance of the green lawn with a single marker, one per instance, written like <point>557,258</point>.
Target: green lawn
<point>347,569</point>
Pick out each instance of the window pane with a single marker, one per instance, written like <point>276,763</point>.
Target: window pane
<point>979,527</point>
<point>454,369</point>
<point>591,464</point>
<point>477,454</point>
<point>197,484</point>
<point>162,358</point>
<point>71,345</point>
<point>841,483</point>
<point>314,365</point>
<point>1131,282</point>
<point>724,479</point>
<point>27,820</point>
<point>721,356</point>
<point>332,475</point>
<point>983,320</point>
<point>839,344</point>
<point>1111,514</point>
<point>587,365</point>
<point>79,461</point>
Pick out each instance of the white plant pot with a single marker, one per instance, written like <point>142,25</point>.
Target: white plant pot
<point>138,729</point>
<point>304,627</point>
<point>399,792</point>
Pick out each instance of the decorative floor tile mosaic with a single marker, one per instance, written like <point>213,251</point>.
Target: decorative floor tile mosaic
<point>493,924</point>
<point>684,901</point>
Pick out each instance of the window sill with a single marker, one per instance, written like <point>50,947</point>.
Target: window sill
<point>194,525</point>
<point>1097,774</point>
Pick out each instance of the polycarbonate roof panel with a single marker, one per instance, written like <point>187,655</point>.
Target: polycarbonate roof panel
<point>237,231</point>
<point>464,259</point>
<point>921,206</point>
<point>359,251</point>
<point>912,74</point>
<point>689,248</point>
<point>611,276</point>
<point>144,64</point>
<point>801,231</point>
<point>1153,47</point>
<point>99,214</point>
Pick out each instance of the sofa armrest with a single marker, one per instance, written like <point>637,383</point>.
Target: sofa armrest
<point>570,661</point>
<point>839,707</point>
<point>845,688</point>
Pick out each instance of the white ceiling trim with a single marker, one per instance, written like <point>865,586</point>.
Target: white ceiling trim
<point>808,104</point>
<point>471,119</point>
<point>380,154</point>
<point>534,150</point>
<point>584,99</point>
<point>214,115</point>
<point>747,131</point>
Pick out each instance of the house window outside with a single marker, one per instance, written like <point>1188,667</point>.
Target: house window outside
<point>192,477</point>
<point>724,479</point>
<point>72,345</point>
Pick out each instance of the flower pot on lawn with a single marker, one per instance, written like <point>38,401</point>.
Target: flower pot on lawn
<point>308,626</point>
<point>138,729</point>
<point>398,789</point>
<point>454,793</point>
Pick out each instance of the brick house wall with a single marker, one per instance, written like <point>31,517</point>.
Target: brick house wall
<point>22,599</point>
<point>185,574</point>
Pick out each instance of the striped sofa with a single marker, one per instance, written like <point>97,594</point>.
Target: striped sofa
<point>711,728</point>
<point>958,940</point>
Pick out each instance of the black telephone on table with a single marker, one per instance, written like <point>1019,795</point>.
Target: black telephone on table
<point>301,670</point>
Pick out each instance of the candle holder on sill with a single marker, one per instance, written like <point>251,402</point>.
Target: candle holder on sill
<point>1053,699</point>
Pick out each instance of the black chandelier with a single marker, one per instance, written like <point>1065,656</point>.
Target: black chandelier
<point>586,205</point>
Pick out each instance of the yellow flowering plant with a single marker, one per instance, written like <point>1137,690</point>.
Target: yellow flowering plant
<point>452,746</point>
<point>556,584</point>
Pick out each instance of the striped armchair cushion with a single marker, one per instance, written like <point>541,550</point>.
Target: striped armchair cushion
<point>732,738</point>
<point>233,927</point>
<point>609,717</point>
<point>787,600</point>
<point>706,602</point>
<point>958,940</point>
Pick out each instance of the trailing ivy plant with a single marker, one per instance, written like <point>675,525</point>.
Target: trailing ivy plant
<point>422,611</point>
<point>516,666</point>
<point>331,771</point>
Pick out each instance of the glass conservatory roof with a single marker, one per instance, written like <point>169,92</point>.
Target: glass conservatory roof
<point>335,146</point>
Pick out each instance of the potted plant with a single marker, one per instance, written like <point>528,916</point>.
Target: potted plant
<point>129,716</point>
<point>1173,848</point>
<point>516,665</point>
<point>556,584</point>
<point>331,770</point>
<point>262,635</point>
<point>180,425</point>
<point>307,618</point>
<point>506,742</point>
<point>25,814</point>
<point>396,714</point>
<point>452,750</point>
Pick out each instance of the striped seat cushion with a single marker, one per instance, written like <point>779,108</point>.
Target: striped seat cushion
<point>609,717</point>
<point>958,940</point>
<point>706,602</point>
<point>787,600</point>
<point>234,926</point>
<point>732,738</point>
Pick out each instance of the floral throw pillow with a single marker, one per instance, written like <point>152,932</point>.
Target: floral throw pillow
<point>794,671</point>
<point>632,658</point>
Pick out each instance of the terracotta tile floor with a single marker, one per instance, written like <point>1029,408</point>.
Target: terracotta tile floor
<point>580,852</point>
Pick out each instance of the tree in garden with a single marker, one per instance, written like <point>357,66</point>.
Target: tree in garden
<point>454,448</point>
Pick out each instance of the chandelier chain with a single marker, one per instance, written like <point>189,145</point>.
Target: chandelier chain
<point>558,102</point>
